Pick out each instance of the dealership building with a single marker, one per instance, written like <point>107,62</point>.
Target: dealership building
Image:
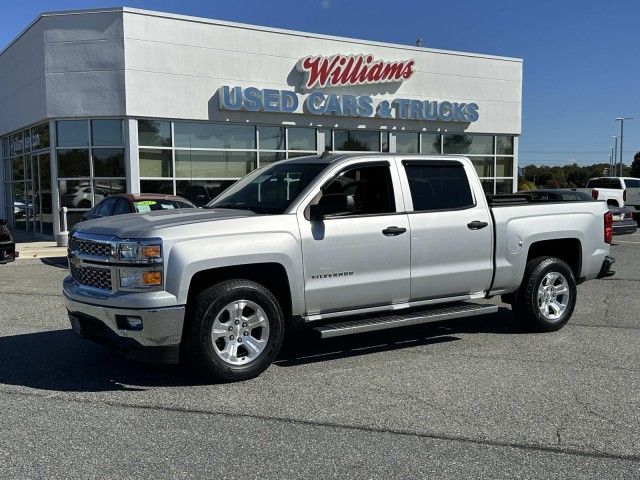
<point>99,102</point>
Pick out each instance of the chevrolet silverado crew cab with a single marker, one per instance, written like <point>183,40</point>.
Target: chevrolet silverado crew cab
<point>340,243</point>
<point>616,191</point>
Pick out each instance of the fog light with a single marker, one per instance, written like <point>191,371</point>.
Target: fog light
<point>126,322</point>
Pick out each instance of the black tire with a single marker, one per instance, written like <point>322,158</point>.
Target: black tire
<point>199,347</point>
<point>525,306</point>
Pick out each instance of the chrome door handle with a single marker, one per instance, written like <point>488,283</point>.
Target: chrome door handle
<point>476,225</point>
<point>393,231</point>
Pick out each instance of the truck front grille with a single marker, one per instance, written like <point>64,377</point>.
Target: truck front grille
<point>89,247</point>
<point>91,276</point>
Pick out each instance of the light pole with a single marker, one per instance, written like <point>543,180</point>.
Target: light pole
<point>615,155</point>
<point>621,120</point>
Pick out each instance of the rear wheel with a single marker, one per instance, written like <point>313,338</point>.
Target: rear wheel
<point>236,332</point>
<point>547,296</point>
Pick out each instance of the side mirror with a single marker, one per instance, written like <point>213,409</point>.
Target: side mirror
<point>332,204</point>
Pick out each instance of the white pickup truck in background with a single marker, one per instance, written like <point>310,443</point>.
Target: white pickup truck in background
<point>616,191</point>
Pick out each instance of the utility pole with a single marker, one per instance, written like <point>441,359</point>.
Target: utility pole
<point>621,120</point>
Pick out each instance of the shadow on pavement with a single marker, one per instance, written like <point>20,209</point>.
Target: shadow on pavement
<point>59,361</point>
<point>59,262</point>
<point>306,347</point>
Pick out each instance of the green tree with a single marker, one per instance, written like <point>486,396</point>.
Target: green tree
<point>635,166</point>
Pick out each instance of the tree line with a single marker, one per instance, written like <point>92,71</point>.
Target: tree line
<point>571,176</point>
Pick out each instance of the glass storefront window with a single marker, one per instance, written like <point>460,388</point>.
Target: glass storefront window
<point>108,162</point>
<point>15,144</point>
<point>504,166</point>
<point>300,154</point>
<point>407,142</point>
<point>214,135</point>
<point>201,192</point>
<point>385,141</point>
<point>75,193</point>
<point>430,143</point>
<point>73,163</point>
<point>504,186</point>
<point>504,145</point>
<point>40,136</point>
<point>203,164</point>
<point>107,133</point>
<point>487,186</point>
<point>103,188</point>
<point>72,133</point>
<point>155,163</point>
<point>458,143</point>
<point>484,166</point>
<point>272,138</point>
<point>270,157</point>
<point>357,140</point>
<point>302,138</point>
<point>154,133</point>
<point>156,186</point>
<point>328,139</point>
<point>17,169</point>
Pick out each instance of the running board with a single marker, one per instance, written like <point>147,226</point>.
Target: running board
<point>437,314</point>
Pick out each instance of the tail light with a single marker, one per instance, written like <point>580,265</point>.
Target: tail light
<point>624,195</point>
<point>594,194</point>
<point>608,227</point>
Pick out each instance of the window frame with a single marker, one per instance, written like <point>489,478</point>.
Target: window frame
<point>344,168</point>
<point>441,163</point>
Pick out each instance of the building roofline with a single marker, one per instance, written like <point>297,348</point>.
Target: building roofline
<point>208,21</point>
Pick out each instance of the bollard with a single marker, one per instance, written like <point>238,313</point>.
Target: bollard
<point>62,239</point>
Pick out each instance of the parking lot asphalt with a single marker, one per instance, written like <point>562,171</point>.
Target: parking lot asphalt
<point>472,398</point>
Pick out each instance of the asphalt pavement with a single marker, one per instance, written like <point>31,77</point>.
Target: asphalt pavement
<point>473,398</point>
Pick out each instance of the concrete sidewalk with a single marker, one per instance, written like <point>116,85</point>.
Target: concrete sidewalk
<point>39,250</point>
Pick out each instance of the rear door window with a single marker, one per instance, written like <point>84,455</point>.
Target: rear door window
<point>438,186</point>
<point>605,183</point>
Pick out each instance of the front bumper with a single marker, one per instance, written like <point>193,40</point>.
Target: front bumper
<point>605,270</point>
<point>624,227</point>
<point>157,342</point>
<point>7,252</point>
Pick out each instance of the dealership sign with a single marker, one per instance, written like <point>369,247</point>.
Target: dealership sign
<point>343,70</point>
<point>340,71</point>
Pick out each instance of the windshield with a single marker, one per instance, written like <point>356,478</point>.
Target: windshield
<point>270,189</point>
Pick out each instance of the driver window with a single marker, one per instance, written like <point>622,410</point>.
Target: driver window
<point>371,187</point>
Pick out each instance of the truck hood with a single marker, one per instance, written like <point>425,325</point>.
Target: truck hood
<point>136,225</point>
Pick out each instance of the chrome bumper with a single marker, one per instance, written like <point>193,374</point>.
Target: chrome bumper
<point>157,341</point>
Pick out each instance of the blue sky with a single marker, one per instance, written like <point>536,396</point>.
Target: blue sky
<point>581,67</point>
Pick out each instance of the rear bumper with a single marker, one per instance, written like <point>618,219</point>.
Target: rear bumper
<point>624,227</point>
<point>7,252</point>
<point>606,271</point>
<point>158,340</point>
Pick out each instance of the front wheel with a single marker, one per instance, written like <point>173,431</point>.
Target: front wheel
<point>236,331</point>
<point>547,296</point>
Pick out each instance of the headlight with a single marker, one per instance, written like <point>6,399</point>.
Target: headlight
<point>140,278</point>
<point>145,251</point>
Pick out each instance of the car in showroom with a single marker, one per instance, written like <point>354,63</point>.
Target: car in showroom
<point>122,204</point>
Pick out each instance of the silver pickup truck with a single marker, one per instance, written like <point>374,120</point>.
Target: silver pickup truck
<point>340,243</point>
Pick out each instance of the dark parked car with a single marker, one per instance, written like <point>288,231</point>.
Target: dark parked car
<point>143,203</point>
<point>558,195</point>
<point>7,245</point>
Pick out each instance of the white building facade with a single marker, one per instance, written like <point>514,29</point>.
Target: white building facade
<point>99,102</point>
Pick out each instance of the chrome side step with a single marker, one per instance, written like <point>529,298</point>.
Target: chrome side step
<point>436,314</point>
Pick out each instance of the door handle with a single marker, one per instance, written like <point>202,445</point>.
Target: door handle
<point>393,231</point>
<point>476,225</point>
